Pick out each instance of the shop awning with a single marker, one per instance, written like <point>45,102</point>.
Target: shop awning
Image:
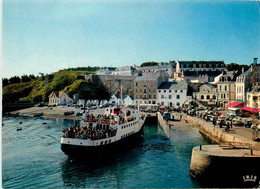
<point>249,109</point>
<point>235,104</point>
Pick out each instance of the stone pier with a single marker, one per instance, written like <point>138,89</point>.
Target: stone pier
<point>234,162</point>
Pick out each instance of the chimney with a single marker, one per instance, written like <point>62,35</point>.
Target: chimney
<point>255,60</point>
<point>243,69</point>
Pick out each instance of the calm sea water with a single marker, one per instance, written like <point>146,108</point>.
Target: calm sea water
<point>32,158</point>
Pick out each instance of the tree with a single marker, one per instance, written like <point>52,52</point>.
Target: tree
<point>237,67</point>
<point>149,64</point>
<point>32,76</point>
<point>5,82</point>
<point>25,78</point>
<point>86,92</point>
<point>93,91</point>
<point>101,93</point>
<point>14,79</point>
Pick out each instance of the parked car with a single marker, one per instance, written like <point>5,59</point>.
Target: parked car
<point>238,122</point>
<point>248,123</point>
<point>68,113</point>
<point>79,114</point>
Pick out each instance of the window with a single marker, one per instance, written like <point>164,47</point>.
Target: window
<point>181,91</point>
<point>162,103</point>
<point>208,97</point>
<point>225,88</point>
<point>170,96</point>
<point>144,90</point>
<point>164,91</point>
<point>136,84</point>
<point>176,91</point>
<point>220,88</point>
<point>170,91</point>
<point>178,97</point>
<point>202,97</point>
<point>159,91</point>
<point>162,96</point>
<point>178,104</point>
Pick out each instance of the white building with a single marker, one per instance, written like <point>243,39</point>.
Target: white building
<point>106,71</point>
<point>168,69</point>
<point>244,83</point>
<point>172,93</point>
<point>125,71</point>
<point>204,71</point>
<point>116,99</point>
<point>207,94</point>
<point>59,98</point>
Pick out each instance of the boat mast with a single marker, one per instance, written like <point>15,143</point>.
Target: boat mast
<point>121,95</point>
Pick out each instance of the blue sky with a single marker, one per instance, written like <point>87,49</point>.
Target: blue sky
<point>49,35</point>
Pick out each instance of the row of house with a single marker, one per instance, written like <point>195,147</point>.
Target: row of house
<point>62,98</point>
<point>171,84</point>
<point>216,88</point>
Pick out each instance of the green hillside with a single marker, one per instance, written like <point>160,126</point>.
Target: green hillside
<point>40,88</point>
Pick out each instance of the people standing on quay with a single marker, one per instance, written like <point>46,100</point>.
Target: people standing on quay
<point>214,122</point>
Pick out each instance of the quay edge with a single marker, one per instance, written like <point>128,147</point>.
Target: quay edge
<point>215,166</point>
<point>222,165</point>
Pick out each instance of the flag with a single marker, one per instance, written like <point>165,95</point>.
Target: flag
<point>120,91</point>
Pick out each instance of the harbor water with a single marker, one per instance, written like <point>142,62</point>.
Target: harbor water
<point>31,158</point>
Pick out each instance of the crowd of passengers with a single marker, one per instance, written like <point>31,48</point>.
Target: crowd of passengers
<point>89,132</point>
<point>97,127</point>
<point>109,119</point>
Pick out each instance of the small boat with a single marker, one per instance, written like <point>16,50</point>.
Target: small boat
<point>102,131</point>
<point>68,113</point>
<point>19,129</point>
<point>38,114</point>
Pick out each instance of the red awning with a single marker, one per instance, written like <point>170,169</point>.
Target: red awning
<point>249,109</point>
<point>235,104</point>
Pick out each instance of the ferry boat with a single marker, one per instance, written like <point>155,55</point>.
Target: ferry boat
<point>102,131</point>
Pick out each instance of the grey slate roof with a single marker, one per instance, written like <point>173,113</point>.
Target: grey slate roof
<point>246,72</point>
<point>199,73</point>
<point>201,62</point>
<point>175,85</point>
<point>209,85</point>
<point>148,76</point>
<point>155,67</point>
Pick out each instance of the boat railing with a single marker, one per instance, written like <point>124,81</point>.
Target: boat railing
<point>92,134</point>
